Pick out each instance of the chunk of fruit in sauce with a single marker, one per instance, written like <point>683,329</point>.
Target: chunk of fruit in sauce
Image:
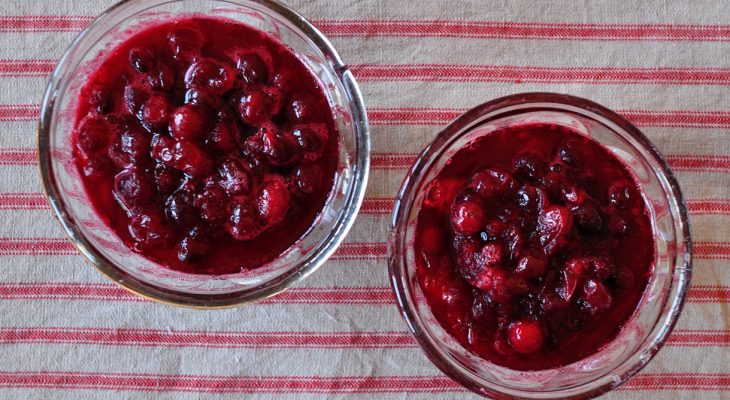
<point>206,145</point>
<point>547,264</point>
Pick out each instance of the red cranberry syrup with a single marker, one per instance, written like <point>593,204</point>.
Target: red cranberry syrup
<point>534,246</point>
<point>206,145</point>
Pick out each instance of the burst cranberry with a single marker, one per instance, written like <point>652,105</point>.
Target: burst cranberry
<point>621,195</point>
<point>532,265</point>
<point>235,178</point>
<point>253,69</point>
<point>526,336</point>
<point>275,145</point>
<point>191,159</point>
<point>493,230</point>
<point>180,210</point>
<point>194,245</point>
<point>244,223</point>
<point>303,108</point>
<point>202,97</point>
<point>134,97</point>
<point>573,273</point>
<point>189,122</point>
<point>92,135</point>
<point>554,225</point>
<point>132,188</point>
<point>493,182</point>
<point>142,59</point>
<point>213,204</point>
<point>273,201</point>
<point>224,137</point>
<point>588,216</point>
<point>185,41</point>
<point>596,296</point>
<point>572,153</point>
<point>307,178</point>
<point>216,77</point>
<point>467,217</point>
<point>162,77</point>
<point>156,112</point>
<point>167,179</point>
<point>256,106</point>
<point>530,167</point>
<point>531,198</point>
<point>101,99</point>
<point>149,229</point>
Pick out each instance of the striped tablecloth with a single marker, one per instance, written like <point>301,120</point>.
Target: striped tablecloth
<point>67,333</point>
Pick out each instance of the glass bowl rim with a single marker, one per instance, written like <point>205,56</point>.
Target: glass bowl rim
<point>679,278</point>
<point>310,262</point>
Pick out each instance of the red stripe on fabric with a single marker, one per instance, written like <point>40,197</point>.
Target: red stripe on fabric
<point>90,291</point>
<point>523,30</point>
<point>441,116</point>
<point>18,156</point>
<point>43,23</point>
<point>710,206</point>
<point>538,74</point>
<point>699,338</point>
<point>208,339</point>
<point>18,112</point>
<point>227,384</point>
<point>26,67</point>
<point>709,294</point>
<point>678,381</point>
<point>23,201</point>
<point>346,251</point>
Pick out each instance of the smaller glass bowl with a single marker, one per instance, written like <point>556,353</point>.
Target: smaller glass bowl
<point>105,250</point>
<point>657,312</point>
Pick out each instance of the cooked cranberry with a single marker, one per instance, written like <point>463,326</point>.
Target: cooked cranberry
<point>307,178</point>
<point>514,241</point>
<point>432,240</point>
<point>253,69</point>
<point>149,229</point>
<point>167,179</point>
<point>490,255</point>
<point>618,225</point>
<point>97,167</point>
<point>531,198</point>
<point>142,59</point>
<point>532,265</point>
<point>273,201</point>
<point>244,223</point>
<point>621,195</point>
<point>180,210</point>
<point>255,106</point>
<point>493,182</point>
<point>162,77</point>
<point>185,41</point>
<point>303,108</point>
<point>156,112</point>
<point>526,336</point>
<point>210,74</point>
<point>191,159</point>
<point>596,296</point>
<point>93,135</point>
<point>572,153</point>
<point>624,278</point>
<point>132,147</point>
<point>189,122</point>
<point>573,273</point>
<point>554,225</point>
<point>194,245</point>
<point>571,194</point>
<point>225,137</point>
<point>162,148</point>
<point>529,167</point>
<point>132,189</point>
<point>134,97</point>
<point>213,204</point>
<point>235,178</point>
<point>551,302</point>
<point>276,147</point>
<point>588,216</point>
<point>467,218</point>
<point>493,230</point>
<point>202,97</point>
<point>101,99</point>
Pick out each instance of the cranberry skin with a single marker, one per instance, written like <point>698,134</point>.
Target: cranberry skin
<point>275,145</point>
<point>588,217</point>
<point>225,137</point>
<point>149,229</point>
<point>273,201</point>
<point>101,99</point>
<point>204,98</point>
<point>526,336</point>
<point>132,189</point>
<point>132,147</point>
<point>155,112</point>
<point>531,198</point>
<point>191,159</point>
<point>532,265</point>
<point>467,217</point>
<point>134,97</point>
<point>554,225</point>
<point>184,42</point>
<point>303,108</point>
<point>167,179</point>
<point>621,195</point>
<point>253,69</point>
<point>618,226</point>
<point>143,60</point>
<point>307,178</point>
<point>162,77</point>
<point>92,135</point>
<point>193,246</point>
<point>596,296</point>
<point>162,149</point>
<point>180,210</point>
<point>257,105</point>
<point>310,139</point>
<point>529,167</point>
<point>244,223</point>
<point>189,122</point>
<point>573,274</point>
<point>97,168</point>
<point>218,78</point>
<point>213,204</point>
<point>235,178</point>
<point>493,182</point>
<point>572,153</point>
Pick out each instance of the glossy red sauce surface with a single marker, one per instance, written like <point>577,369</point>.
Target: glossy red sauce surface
<point>206,145</point>
<point>533,246</point>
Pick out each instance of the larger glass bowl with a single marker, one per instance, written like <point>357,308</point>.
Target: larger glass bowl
<point>657,312</point>
<point>105,250</point>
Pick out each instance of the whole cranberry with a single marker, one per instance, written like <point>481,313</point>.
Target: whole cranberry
<point>235,177</point>
<point>148,229</point>
<point>307,178</point>
<point>276,146</point>
<point>526,336</point>
<point>194,245</point>
<point>467,217</point>
<point>162,148</point>
<point>256,106</point>
<point>303,107</point>
<point>132,189</point>
<point>132,147</point>
<point>189,122</point>
<point>191,159</point>
<point>204,98</point>
<point>213,204</point>
<point>588,216</point>
<point>156,112</point>
<point>217,77</point>
<point>101,99</point>
<point>529,167</point>
<point>135,96</point>
<point>273,201</point>
<point>531,198</point>
<point>162,77</point>
<point>184,42</point>
<point>244,223</point>
<point>225,137</point>
<point>532,265</point>
<point>93,135</point>
<point>572,153</point>
<point>621,195</point>
<point>142,59</point>
<point>554,225</point>
<point>493,182</point>
<point>180,210</point>
<point>252,67</point>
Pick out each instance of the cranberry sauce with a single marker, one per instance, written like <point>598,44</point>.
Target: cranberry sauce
<point>534,246</point>
<point>206,145</point>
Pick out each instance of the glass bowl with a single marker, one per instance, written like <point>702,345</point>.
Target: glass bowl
<point>656,314</point>
<point>100,246</point>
